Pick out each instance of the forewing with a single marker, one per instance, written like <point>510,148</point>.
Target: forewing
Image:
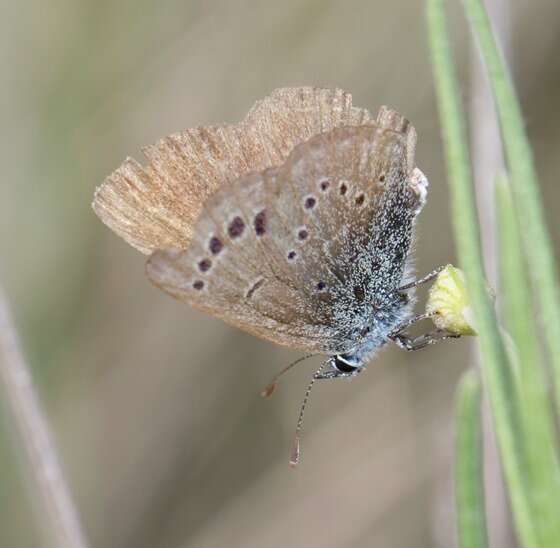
<point>155,206</point>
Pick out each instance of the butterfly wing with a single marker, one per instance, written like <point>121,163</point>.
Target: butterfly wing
<point>155,206</point>
<point>288,254</point>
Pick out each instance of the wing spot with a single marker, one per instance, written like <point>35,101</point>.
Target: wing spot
<point>236,227</point>
<point>310,202</point>
<point>260,223</point>
<point>382,178</point>
<point>292,255</point>
<point>324,185</point>
<point>254,287</point>
<point>205,265</point>
<point>343,189</point>
<point>198,285</point>
<point>302,234</point>
<point>360,199</point>
<point>321,285</point>
<point>215,245</point>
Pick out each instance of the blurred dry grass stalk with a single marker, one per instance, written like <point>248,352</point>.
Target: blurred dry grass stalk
<point>156,407</point>
<point>43,473</point>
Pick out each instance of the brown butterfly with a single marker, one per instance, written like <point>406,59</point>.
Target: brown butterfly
<point>294,225</point>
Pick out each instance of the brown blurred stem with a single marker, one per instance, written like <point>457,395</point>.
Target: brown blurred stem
<point>44,470</point>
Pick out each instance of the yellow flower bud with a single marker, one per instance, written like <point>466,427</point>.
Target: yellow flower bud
<point>449,303</point>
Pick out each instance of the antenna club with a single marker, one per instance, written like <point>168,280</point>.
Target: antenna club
<point>294,455</point>
<point>269,390</point>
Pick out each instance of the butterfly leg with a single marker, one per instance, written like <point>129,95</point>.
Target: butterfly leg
<point>404,325</point>
<point>416,343</point>
<point>426,278</point>
<point>404,341</point>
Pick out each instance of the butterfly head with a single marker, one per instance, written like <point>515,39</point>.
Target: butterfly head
<point>341,365</point>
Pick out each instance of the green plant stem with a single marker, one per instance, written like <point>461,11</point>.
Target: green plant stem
<point>495,367</point>
<point>537,420</point>
<point>469,470</point>
<point>525,187</point>
<point>514,285</point>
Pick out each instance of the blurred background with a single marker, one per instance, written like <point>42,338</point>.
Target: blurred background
<point>155,407</point>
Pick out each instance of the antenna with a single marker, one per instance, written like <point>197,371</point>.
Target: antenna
<point>271,386</point>
<point>294,456</point>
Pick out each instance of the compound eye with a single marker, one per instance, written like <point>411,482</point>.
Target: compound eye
<point>343,366</point>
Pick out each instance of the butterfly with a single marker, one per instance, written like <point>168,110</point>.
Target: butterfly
<point>294,225</point>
